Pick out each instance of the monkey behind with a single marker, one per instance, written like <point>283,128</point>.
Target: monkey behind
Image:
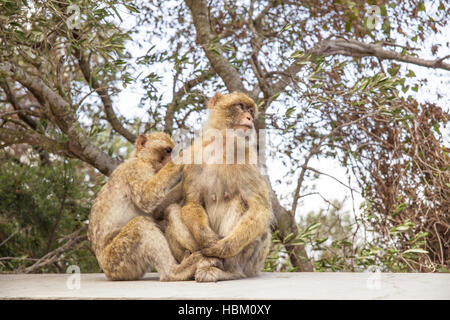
<point>124,235</point>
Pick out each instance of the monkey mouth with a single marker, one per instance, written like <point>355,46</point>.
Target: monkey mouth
<point>245,127</point>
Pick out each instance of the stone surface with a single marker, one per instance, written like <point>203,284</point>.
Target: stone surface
<point>266,286</point>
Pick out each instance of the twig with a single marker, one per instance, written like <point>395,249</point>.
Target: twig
<point>73,239</point>
<point>10,236</point>
<point>18,258</point>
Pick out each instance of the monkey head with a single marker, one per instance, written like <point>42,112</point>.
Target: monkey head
<point>156,148</point>
<point>232,111</point>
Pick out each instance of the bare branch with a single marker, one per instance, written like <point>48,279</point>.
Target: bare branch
<point>71,240</point>
<point>11,97</point>
<point>15,136</point>
<point>185,88</point>
<point>315,149</point>
<point>10,236</point>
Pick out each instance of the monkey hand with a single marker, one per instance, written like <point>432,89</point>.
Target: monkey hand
<point>222,249</point>
<point>211,240</point>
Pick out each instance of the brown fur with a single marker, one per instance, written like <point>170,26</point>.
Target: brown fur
<point>227,209</point>
<point>122,227</point>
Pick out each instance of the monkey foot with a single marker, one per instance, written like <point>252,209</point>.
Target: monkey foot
<point>207,274</point>
<point>209,270</point>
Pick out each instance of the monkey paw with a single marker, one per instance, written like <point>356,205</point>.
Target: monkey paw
<point>207,274</point>
<point>221,249</point>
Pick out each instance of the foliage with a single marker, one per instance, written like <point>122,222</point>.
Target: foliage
<point>338,242</point>
<point>38,206</point>
<point>327,84</point>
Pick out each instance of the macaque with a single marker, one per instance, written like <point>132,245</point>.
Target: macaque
<point>227,210</point>
<point>125,236</point>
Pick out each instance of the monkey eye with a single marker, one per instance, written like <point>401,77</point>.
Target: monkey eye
<point>169,150</point>
<point>241,106</point>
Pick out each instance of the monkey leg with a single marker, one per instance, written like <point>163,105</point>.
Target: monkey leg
<point>256,261</point>
<point>177,234</point>
<point>138,246</point>
<point>180,240</point>
<point>196,220</point>
<point>248,263</point>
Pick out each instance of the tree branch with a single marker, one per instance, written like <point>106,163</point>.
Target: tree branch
<point>104,96</point>
<point>15,136</point>
<point>354,48</point>
<point>206,39</point>
<point>10,96</point>
<point>286,225</point>
<point>315,149</point>
<point>185,88</point>
<point>72,240</point>
<point>61,110</point>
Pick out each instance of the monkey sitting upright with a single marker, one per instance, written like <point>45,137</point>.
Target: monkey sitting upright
<point>124,235</point>
<point>227,210</point>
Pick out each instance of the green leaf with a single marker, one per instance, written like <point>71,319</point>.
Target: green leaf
<point>348,26</point>
<point>275,96</point>
<point>296,54</point>
<point>394,70</point>
<point>411,74</point>
<point>313,227</point>
<point>131,8</point>
<point>289,111</point>
<point>420,6</point>
<point>436,129</point>
<point>288,237</point>
<point>386,27</point>
<point>117,13</point>
<point>400,208</point>
<point>399,228</point>
<point>416,250</point>
<point>286,27</point>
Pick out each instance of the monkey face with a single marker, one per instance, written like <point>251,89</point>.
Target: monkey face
<point>156,147</point>
<point>232,111</point>
<point>243,116</point>
<point>165,155</point>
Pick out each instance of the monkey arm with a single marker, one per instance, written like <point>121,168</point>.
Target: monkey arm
<point>255,221</point>
<point>148,194</point>
<point>175,195</point>
<point>193,214</point>
<point>196,220</point>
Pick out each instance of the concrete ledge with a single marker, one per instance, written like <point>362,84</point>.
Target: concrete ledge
<point>359,286</point>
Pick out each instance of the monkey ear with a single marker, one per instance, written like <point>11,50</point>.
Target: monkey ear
<point>214,100</point>
<point>140,142</point>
